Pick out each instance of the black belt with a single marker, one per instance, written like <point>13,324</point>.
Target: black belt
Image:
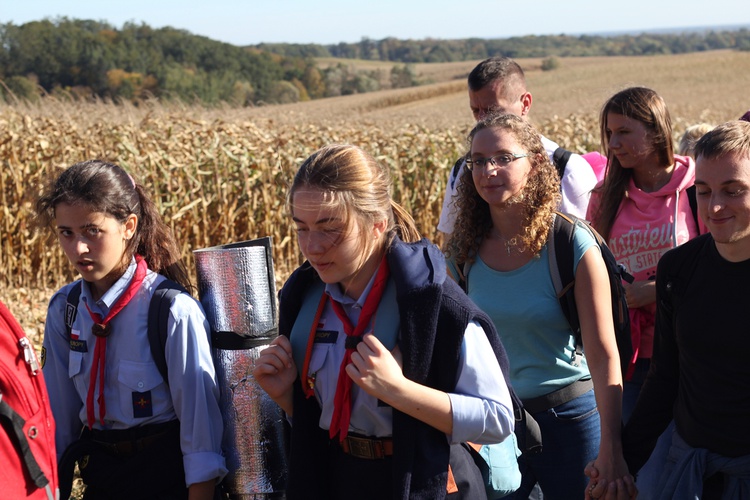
<point>130,441</point>
<point>558,397</point>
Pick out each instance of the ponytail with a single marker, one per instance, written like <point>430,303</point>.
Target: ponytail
<point>404,224</point>
<point>157,244</point>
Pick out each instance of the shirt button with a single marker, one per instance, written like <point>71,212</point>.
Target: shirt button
<point>140,385</point>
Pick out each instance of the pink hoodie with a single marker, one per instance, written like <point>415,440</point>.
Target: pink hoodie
<point>598,163</point>
<point>644,230</point>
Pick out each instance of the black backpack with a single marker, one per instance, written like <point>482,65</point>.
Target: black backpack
<point>561,270</point>
<point>158,315</point>
<point>560,158</point>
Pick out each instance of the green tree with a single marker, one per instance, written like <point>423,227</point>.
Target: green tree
<point>20,88</point>
<point>283,92</point>
<point>550,63</point>
<point>403,76</point>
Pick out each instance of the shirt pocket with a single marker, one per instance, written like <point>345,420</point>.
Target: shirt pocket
<point>142,378</point>
<point>75,362</point>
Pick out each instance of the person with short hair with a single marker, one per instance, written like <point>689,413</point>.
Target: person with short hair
<point>498,85</point>
<point>699,372</point>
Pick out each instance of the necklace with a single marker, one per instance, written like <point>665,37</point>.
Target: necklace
<point>509,243</point>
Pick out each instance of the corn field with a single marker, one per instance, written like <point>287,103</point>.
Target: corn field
<point>221,175</point>
<point>214,181</point>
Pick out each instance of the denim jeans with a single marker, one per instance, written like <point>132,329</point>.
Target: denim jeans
<point>570,439</point>
<point>650,474</point>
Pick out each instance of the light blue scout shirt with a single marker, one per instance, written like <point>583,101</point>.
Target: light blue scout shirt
<point>481,405</point>
<point>134,390</point>
<point>527,314</point>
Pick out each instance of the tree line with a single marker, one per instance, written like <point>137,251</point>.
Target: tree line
<point>431,50</point>
<point>83,59</point>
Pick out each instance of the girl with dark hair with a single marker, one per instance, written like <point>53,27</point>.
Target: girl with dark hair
<point>141,436</point>
<point>500,250</point>
<point>383,366</point>
<point>642,209</point>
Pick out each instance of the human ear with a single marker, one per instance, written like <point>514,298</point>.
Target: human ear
<point>525,103</point>
<point>379,228</point>
<point>129,226</point>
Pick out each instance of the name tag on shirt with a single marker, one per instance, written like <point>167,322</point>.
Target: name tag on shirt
<point>326,336</point>
<point>76,344</point>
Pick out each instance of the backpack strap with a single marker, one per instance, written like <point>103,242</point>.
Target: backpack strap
<point>71,306</point>
<point>13,424</point>
<point>560,254</point>
<point>454,171</point>
<point>560,158</point>
<point>158,317</point>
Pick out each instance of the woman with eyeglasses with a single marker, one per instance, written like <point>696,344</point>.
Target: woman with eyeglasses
<point>499,250</point>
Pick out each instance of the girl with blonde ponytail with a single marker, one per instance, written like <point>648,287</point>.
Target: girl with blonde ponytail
<point>383,366</point>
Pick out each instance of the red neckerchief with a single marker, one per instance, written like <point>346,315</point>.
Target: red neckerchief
<point>102,330</point>
<point>342,404</point>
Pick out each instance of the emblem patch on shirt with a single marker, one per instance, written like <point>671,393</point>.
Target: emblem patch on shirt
<point>326,336</point>
<point>76,344</point>
<point>71,312</point>
<point>142,404</point>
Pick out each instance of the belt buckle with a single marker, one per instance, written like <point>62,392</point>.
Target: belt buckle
<point>364,448</point>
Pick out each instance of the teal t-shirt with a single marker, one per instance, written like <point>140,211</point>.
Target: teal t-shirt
<point>523,305</point>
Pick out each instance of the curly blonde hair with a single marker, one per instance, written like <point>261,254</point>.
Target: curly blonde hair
<point>539,197</point>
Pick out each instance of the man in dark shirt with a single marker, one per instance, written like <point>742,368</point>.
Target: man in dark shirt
<point>700,374</point>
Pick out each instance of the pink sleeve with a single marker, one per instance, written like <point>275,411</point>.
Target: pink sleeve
<point>594,202</point>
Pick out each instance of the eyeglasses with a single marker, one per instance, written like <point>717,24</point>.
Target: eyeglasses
<point>501,160</point>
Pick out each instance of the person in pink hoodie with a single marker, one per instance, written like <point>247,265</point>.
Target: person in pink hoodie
<point>641,208</point>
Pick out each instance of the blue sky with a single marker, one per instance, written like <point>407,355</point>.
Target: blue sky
<point>245,22</point>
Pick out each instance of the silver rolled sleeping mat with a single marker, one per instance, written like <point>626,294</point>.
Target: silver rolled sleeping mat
<point>237,290</point>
